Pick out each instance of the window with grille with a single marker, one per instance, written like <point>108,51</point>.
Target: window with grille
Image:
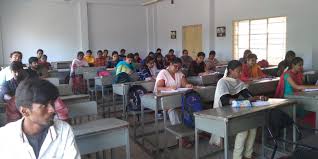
<point>264,37</point>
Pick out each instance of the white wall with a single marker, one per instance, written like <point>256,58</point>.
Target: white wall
<point>169,17</point>
<point>114,26</point>
<point>299,14</point>
<point>50,25</point>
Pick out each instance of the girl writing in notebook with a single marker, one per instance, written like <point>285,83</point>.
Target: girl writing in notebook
<point>290,83</point>
<point>170,79</point>
<point>228,89</point>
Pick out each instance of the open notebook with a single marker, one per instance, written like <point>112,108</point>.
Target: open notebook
<point>177,90</point>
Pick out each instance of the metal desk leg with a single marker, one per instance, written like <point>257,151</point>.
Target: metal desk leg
<point>142,123</point>
<point>294,127</point>
<point>263,141</point>
<point>165,125</point>
<point>157,129</point>
<point>226,142</point>
<point>196,144</point>
<point>127,144</point>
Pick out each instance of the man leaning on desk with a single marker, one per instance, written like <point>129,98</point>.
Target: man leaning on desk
<point>37,134</point>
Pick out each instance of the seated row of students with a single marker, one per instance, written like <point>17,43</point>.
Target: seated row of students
<point>11,78</point>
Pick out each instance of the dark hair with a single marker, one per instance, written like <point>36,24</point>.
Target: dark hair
<point>39,51</point>
<point>122,50</point>
<point>114,52</point>
<point>157,55</point>
<point>16,52</point>
<point>89,51</point>
<point>147,60</point>
<point>289,54</point>
<point>99,51</point>
<point>16,66</point>
<point>44,56</point>
<point>212,52</point>
<point>171,50</point>
<point>80,53</point>
<point>130,56</point>
<point>106,50</point>
<point>158,50</point>
<point>136,54</point>
<point>151,53</point>
<point>296,61</point>
<point>201,54</point>
<point>35,90</point>
<point>251,56</point>
<point>247,51</point>
<point>176,61</point>
<point>33,59</point>
<point>233,65</point>
<point>185,50</point>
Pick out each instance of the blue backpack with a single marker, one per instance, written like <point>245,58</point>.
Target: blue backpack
<point>191,102</point>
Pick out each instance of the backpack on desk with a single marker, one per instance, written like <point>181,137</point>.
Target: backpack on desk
<point>134,94</point>
<point>191,102</point>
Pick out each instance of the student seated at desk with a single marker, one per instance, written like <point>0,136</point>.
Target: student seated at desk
<point>37,134</point>
<point>228,89</point>
<point>122,55</point>
<point>89,58</point>
<point>44,64</point>
<point>114,61</point>
<point>34,70</point>
<point>78,84</point>
<point>186,59</point>
<point>137,58</point>
<point>7,92</point>
<point>159,61</point>
<point>251,70</point>
<point>243,60</point>
<point>100,60</point>
<point>169,57</point>
<point>291,82</point>
<point>6,73</point>
<point>283,65</point>
<point>197,67</point>
<point>147,73</point>
<point>171,78</point>
<point>211,62</point>
<point>106,56</point>
<point>126,66</point>
<point>39,53</point>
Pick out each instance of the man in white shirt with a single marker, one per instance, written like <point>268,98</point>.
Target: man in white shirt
<point>37,135</point>
<point>6,74</point>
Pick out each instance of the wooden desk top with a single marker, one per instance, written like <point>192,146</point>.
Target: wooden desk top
<point>98,126</point>
<point>226,113</point>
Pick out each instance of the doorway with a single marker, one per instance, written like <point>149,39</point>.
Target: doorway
<point>192,39</point>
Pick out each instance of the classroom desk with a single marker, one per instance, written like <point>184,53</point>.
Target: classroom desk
<point>102,134</point>
<point>308,100</point>
<point>228,121</point>
<point>123,88</point>
<point>311,77</point>
<point>165,101</point>
<point>156,102</point>
<point>270,70</point>
<point>263,86</point>
<point>60,73</point>
<point>76,98</point>
<point>204,80</point>
<point>221,68</point>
